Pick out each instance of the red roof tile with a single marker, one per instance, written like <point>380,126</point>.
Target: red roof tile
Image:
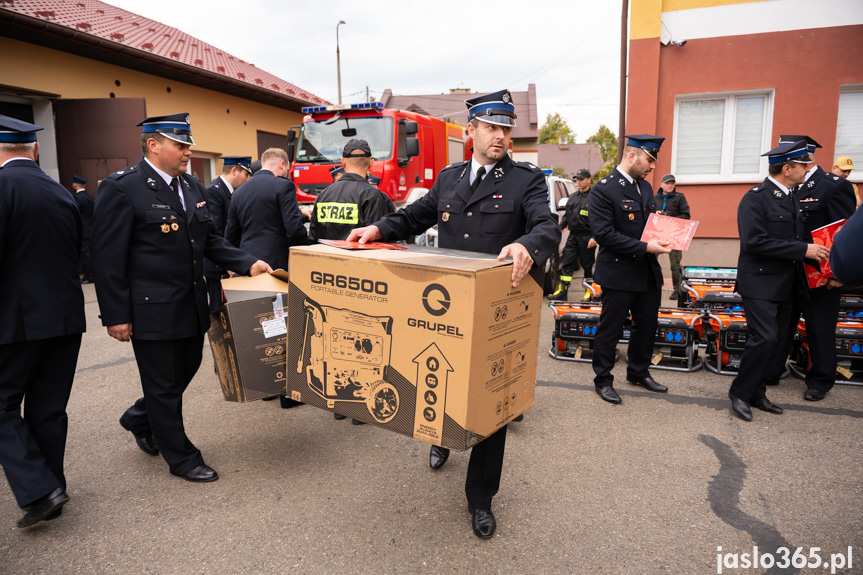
<point>123,27</point>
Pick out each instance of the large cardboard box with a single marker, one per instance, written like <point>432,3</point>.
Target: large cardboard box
<point>249,342</point>
<point>434,344</point>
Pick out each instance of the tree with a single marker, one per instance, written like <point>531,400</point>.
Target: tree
<point>554,127</point>
<point>607,142</point>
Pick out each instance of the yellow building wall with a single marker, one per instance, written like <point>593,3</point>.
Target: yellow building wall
<point>216,131</point>
<point>645,17</point>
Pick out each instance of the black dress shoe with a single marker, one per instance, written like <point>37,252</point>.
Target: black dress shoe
<point>42,508</point>
<point>740,407</point>
<point>648,383</point>
<point>337,416</point>
<point>484,523</point>
<point>607,393</point>
<point>765,404</point>
<point>357,422</point>
<point>518,418</point>
<point>438,456</point>
<point>287,403</point>
<point>146,443</point>
<point>201,474</point>
<point>814,395</point>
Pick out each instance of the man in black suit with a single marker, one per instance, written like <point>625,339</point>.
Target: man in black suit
<point>822,198</point>
<point>770,272</point>
<point>85,207</point>
<point>41,321</point>
<point>151,233</point>
<point>493,205</point>
<point>264,218</point>
<point>236,171</point>
<point>846,257</point>
<point>626,267</point>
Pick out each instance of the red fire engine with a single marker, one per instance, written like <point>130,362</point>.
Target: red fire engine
<point>409,149</point>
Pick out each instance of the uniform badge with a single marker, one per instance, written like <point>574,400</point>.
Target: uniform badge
<point>506,99</point>
<point>777,194</point>
<point>445,216</point>
<point>622,182</point>
<point>200,204</point>
<point>187,183</point>
<point>461,175</point>
<point>497,196</point>
<point>631,216</point>
<point>603,180</point>
<point>498,172</point>
<point>166,228</point>
<point>175,226</point>
<point>121,172</point>
<point>151,182</point>
<point>810,184</point>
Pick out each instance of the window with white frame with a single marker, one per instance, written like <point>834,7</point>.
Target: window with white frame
<point>849,127</point>
<point>720,137</point>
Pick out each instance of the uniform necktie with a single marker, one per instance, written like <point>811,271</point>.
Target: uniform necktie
<point>478,179</point>
<point>175,185</point>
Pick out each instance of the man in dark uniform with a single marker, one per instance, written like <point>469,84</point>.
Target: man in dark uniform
<point>770,272</point>
<point>580,244</point>
<point>490,205</point>
<point>626,267</point>
<point>670,202</point>
<point>822,198</point>
<point>352,201</point>
<point>235,171</point>
<point>151,233</point>
<point>846,257</point>
<point>264,218</point>
<point>41,321</point>
<point>85,208</point>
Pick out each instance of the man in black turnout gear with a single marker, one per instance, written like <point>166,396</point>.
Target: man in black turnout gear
<point>580,244</point>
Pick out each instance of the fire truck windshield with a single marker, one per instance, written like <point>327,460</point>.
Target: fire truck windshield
<point>322,141</point>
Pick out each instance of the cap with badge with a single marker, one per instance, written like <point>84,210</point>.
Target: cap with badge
<point>14,131</point>
<point>582,174</point>
<point>174,127</point>
<point>797,152</point>
<point>648,143</point>
<point>243,162</point>
<point>336,171</point>
<point>76,179</point>
<point>354,145</point>
<point>496,108</point>
<point>811,144</point>
<point>844,163</point>
<point>668,178</point>
<point>373,179</point>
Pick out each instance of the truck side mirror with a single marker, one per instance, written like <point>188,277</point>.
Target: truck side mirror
<point>413,146</point>
<point>292,135</point>
<point>411,128</point>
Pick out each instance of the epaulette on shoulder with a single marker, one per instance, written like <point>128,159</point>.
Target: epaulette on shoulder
<point>758,187</point>
<point>121,173</point>
<point>526,166</point>
<point>454,165</point>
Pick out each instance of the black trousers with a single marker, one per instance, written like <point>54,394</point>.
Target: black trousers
<point>166,368</point>
<point>85,259</point>
<point>484,470</point>
<point>616,304</point>
<point>39,374</point>
<point>574,251</point>
<point>214,292</point>
<point>768,323</point>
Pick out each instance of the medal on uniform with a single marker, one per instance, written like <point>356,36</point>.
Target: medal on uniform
<point>175,226</point>
<point>165,228</point>
<point>631,216</point>
<point>445,216</point>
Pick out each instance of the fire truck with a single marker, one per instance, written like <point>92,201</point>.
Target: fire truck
<point>409,149</point>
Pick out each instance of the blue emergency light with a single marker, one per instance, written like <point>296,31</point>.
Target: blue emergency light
<point>343,107</point>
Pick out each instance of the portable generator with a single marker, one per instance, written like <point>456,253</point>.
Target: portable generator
<point>678,335</point>
<point>592,290</point>
<point>725,335</point>
<point>709,288</point>
<point>849,349</point>
<point>574,331</point>
<point>348,354</point>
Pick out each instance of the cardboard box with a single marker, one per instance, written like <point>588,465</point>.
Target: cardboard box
<point>434,344</point>
<point>249,342</point>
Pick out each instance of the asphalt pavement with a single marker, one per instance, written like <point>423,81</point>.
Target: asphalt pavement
<point>653,486</point>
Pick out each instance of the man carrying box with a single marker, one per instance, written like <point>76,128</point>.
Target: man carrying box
<point>489,205</point>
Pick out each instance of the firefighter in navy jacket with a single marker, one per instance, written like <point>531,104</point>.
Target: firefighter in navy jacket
<point>490,205</point>
<point>152,230</point>
<point>770,273</point>
<point>626,267</point>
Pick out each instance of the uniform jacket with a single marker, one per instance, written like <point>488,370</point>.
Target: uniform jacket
<point>148,254</point>
<point>349,203</point>
<point>264,219</point>
<point>85,208</point>
<point>673,204</point>
<point>577,214</point>
<point>40,240</point>
<point>846,255</point>
<point>218,200</point>
<point>510,205</point>
<point>823,199</point>
<point>618,214</point>
<point>771,244</point>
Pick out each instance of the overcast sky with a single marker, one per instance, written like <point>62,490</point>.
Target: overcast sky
<point>569,48</point>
